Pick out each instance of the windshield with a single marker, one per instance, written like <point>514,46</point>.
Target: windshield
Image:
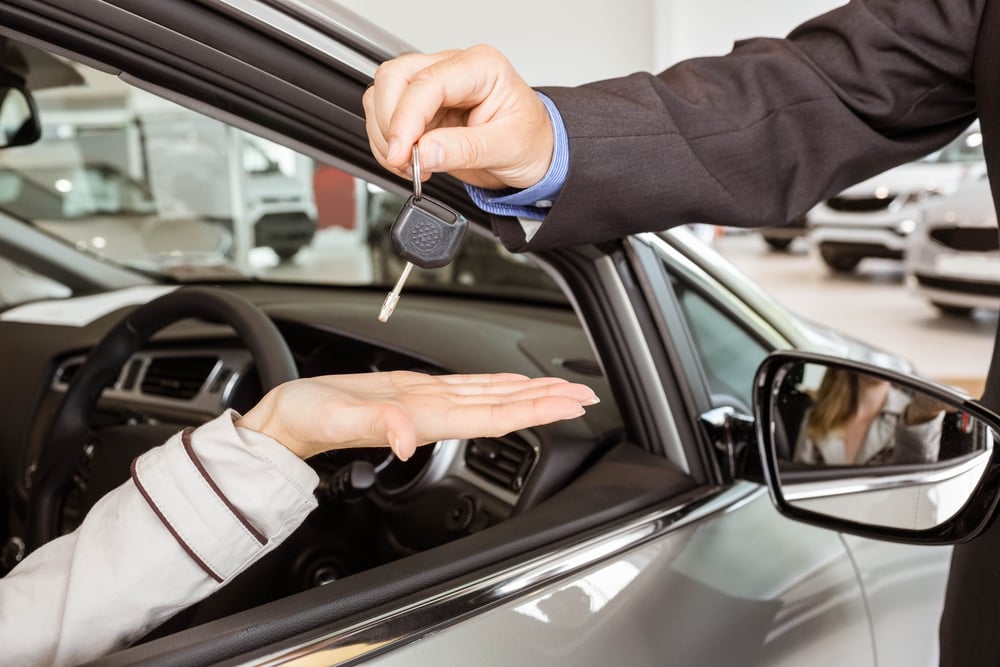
<point>147,183</point>
<point>68,192</point>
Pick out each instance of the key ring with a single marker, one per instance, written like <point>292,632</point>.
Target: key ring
<point>417,186</point>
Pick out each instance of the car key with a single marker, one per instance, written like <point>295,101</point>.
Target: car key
<point>425,233</point>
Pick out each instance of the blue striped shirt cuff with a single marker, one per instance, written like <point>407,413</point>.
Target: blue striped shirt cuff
<point>532,203</point>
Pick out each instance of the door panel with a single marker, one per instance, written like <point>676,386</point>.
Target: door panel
<point>905,587</point>
<point>743,586</point>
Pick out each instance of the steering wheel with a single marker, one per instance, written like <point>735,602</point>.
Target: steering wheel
<point>69,433</point>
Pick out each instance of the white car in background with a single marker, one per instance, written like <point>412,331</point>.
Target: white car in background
<point>876,217</point>
<point>954,255</point>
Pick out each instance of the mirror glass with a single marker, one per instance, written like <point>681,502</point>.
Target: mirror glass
<point>858,447</point>
<point>18,122</point>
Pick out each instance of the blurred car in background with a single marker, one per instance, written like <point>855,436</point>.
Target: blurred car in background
<point>104,211</point>
<point>954,255</point>
<point>876,217</point>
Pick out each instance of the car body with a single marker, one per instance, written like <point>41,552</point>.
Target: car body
<point>630,535</point>
<point>954,256</point>
<point>874,218</point>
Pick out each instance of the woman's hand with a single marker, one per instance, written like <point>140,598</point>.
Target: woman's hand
<point>404,410</point>
<point>472,113</point>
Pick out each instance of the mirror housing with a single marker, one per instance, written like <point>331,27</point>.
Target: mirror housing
<point>921,466</point>
<point>19,124</point>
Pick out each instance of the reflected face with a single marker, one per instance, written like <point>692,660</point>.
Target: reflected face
<point>870,382</point>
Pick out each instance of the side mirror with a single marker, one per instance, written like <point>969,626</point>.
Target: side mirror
<point>870,451</point>
<point>19,124</point>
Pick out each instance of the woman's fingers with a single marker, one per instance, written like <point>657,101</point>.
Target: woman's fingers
<point>500,418</point>
<point>406,409</point>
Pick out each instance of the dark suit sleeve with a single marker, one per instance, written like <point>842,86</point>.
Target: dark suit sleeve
<point>758,136</point>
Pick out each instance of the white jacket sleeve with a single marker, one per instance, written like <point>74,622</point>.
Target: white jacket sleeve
<point>197,511</point>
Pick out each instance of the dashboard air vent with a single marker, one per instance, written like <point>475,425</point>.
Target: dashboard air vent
<point>177,377</point>
<point>503,461</point>
<point>68,372</point>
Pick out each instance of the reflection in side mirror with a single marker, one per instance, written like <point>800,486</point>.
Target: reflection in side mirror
<point>19,124</point>
<point>873,452</point>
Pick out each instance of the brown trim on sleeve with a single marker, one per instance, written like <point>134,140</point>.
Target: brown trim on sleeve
<point>186,439</point>
<point>163,519</point>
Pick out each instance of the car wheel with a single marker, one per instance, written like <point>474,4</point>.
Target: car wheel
<point>285,253</point>
<point>838,262</point>
<point>777,243</point>
<point>952,310</point>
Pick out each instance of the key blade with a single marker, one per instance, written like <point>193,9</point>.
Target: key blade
<point>389,305</point>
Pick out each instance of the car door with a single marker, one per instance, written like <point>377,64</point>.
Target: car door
<point>702,579</point>
<point>902,585</point>
<point>713,591</point>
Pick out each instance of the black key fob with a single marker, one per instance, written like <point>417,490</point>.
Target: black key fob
<point>428,233</point>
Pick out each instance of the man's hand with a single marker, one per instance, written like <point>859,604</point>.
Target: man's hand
<point>924,408</point>
<point>472,114</point>
<point>404,410</point>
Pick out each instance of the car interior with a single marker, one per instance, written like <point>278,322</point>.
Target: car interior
<point>235,319</point>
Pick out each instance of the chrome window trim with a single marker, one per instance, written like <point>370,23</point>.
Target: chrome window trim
<point>698,275</point>
<point>442,610</point>
<point>649,378</point>
<point>278,22</point>
<point>347,26</point>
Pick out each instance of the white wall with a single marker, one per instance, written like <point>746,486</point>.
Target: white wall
<point>574,41</point>
<point>685,29</point>
<point>558,43</point>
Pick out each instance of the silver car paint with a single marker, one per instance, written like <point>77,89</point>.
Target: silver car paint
<point>715,592</point>
<point>903,584</point>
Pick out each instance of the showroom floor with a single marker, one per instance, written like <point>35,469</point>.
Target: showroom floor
<point>873,305</point>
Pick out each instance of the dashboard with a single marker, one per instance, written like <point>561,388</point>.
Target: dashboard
<point>373,507</point>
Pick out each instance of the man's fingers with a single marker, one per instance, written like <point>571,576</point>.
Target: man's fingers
<point>451,149</point>
<point>462,80</point>
<point>382,99</point>
<point>391,80</point>
<point>376,139</point>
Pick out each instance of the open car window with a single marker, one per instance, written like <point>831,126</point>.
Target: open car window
<point>146,183</point>
<point>729,354</point>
